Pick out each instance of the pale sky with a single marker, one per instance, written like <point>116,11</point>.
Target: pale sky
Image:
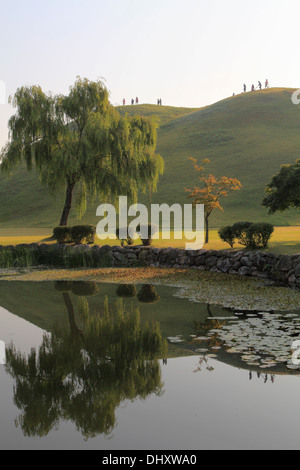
<point>190,53</point>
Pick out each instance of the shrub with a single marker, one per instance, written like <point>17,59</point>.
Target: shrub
<point>150,229</point>
<point>248,234</point>
<point>81,233</point>
<point>258,235</point>
<point>62,234</point>
<point>240,232</point>
<point>129,240</point>
<point>227,235</point>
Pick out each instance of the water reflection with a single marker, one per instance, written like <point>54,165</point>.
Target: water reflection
<point>148,294</point>
<point>126,291</point>
<point>86,367</point>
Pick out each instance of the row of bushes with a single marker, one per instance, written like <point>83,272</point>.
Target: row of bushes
<point>146,241</point>
<point>78,234</point>
<point>86,234</point>
<point>251,235</point>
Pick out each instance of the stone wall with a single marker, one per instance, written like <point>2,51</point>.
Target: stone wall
<point>281,268</point>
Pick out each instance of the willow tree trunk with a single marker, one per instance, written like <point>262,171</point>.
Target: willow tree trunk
<point>68,204</point>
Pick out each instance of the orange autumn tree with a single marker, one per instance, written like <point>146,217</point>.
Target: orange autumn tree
<point>210,192</point>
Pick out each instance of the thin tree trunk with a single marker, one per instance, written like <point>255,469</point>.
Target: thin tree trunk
<point>206,229</point>
<point>68,204</point>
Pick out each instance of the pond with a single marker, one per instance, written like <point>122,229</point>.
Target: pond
<point>138,367</point>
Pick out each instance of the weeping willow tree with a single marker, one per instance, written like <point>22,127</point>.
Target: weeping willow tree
<point>81,142</point>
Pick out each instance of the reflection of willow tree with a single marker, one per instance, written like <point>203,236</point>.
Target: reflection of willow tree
<point>148,294</point>
<point>83,378</point>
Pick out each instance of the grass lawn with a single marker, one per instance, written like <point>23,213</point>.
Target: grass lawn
<point>285,240</point>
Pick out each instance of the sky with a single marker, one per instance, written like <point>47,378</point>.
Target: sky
<point>189,53</point>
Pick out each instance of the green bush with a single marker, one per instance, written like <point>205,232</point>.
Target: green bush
<point>62,234</point>
<point>258,235</point>
<point>83,233</point>
<point>227,235</point>
<point>129,240</point>
<point>240,232</point>
<point>248,234</point>
<point>151,229</point>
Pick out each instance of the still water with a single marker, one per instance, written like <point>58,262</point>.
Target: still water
<point>101,366</point>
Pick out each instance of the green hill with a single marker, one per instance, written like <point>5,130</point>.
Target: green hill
<point>248,137</point>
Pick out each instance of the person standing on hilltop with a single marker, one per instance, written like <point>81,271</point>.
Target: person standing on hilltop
<point>253,88</point>
<point>267,83</point>
<point>124,101</point>
<point>136,100</point>
<point>245,88</point>
<point>259,85</point>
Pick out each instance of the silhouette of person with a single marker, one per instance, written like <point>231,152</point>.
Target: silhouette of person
<point>132,101</point>
<point>137,100</point>
<point>259,84</point>
<point>267,83</point>
<point>124,101</point>
<point>245,88</point>
<point>253,88</point>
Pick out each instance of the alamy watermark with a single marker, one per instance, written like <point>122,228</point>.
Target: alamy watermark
<point>2,92</point>
<point>296,353</point>
<point>158,220</point>
<point>2,353</point>
<point>296,97</point>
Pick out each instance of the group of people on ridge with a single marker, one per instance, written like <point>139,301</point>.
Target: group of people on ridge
<point>136,101</point>
<point>258,86</point>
